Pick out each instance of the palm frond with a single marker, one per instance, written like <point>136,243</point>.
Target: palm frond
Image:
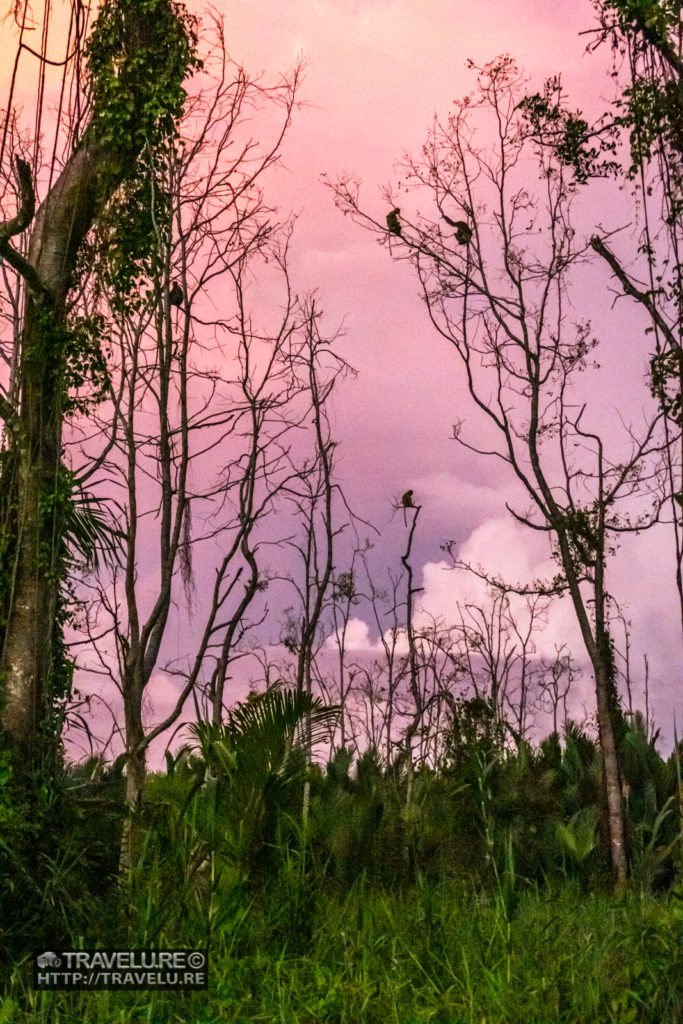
<point>88,533</point>
<point>279,717</point>
<point>266,736</point>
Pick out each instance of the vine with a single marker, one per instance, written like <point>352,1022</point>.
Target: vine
<point>136,61</point>
<point>138,57</point>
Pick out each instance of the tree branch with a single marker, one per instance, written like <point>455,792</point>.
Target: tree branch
<point>627,284</point>
<point>17,224</point>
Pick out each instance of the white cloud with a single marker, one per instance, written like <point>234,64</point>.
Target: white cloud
<point>508,551</point>
<point>358,640</point>
<point>640,578</point>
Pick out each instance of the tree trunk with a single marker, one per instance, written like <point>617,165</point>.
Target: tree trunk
<point>135,779</point>
<point>28,637</point>
<point>32,485</point>
<point>136,768</point>
<point>597,647</point>
<point>34,494</point>
<point>135,741</point>
<point>604,687</point>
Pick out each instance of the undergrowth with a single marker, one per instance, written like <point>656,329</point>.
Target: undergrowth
<point>434,954</point>
<point>477,892</point>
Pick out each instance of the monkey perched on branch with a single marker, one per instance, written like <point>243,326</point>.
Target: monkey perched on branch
<point>393,223</point>
<point>406,503</point>
<point>176,295</point>
<point>463,232</point>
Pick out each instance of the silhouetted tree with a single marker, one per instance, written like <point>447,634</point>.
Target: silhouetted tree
<point>500,303</point>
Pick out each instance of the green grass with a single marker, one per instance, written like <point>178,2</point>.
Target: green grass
<point>434,954</point>
<point>483,900</point>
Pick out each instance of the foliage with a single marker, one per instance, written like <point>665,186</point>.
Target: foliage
<point>469,890</point>
<point>71,356</point>
<point>648,113</point>
<point>85,376</point>
<point>126,41</point>
<point>437,953</point>
<point>482,811</point>
<point>226,811</point>
<point>666,373</point>
<point>476,893</point>
<point>258,753</point>
<point>133,42</point>
<point>576,144</point>
<point>649,110</point>
<point>63,370</point>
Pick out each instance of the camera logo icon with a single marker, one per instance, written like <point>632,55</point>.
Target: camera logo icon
<point>48,960</point>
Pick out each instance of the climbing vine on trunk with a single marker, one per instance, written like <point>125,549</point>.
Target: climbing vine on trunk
<point>133,120</point>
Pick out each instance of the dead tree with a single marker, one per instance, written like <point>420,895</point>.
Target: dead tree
<point>193,452</point>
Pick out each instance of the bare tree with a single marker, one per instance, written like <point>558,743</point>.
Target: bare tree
<point>339,685</point>
<point>396,699</point>
<point>205,407</point>
<point>555,683</point>
<point>494,270</point>
<point>318,505</point>
<point>344,596</point>
<point>380,684</point>
<point>498,651</point>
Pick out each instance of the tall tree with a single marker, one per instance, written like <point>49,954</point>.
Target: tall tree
<point>192,452</point>
<point>640,141</point>
<point>494,267</point>
<point>130,110</point>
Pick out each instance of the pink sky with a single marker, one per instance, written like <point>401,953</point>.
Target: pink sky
<point>378,72</point>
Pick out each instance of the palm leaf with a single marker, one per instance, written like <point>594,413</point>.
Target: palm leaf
<point>266,735</point>
<point>578,838</point>
<point>88,533</point>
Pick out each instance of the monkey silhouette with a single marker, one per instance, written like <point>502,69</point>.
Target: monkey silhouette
<point>463,232</point>
<point>176,295</point>
<point>393,223</point>
<point>406,503</point>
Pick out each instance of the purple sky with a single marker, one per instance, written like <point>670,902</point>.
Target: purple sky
<point>378,72</point>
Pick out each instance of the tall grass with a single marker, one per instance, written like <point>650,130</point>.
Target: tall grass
<point>438,953</point>
<point>482,900</point>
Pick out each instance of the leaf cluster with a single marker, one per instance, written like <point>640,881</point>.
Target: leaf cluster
<point>666,375</point>
<point>139,112</point>
<point>85,371</point>
<point>655,19</point>
<point>574,142</point>
<point>652,113</point>
<point>138,56</point>
<point>129,237</point>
